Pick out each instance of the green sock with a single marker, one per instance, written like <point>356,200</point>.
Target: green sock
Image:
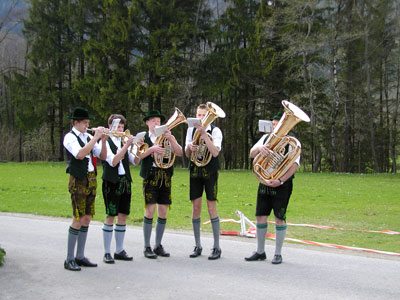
<point>196,230</point>
<point>72,238</point>
<point>147,227</point>
<point>160,227</point>
<point>80,249</point>
<point>215,229</point>
<point>280,237</point>
<point>261,231</point>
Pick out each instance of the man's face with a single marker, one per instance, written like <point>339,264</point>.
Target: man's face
<point>200,114</point>
<point>81,125</point>
<point>275,122</point>
<point>153,122</point>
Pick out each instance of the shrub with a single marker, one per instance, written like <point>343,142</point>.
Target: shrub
<point>2,254</point>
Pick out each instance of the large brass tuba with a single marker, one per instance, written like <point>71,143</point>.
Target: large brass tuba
<point>202,156</point>
<point>284,149</point>
<point>167,159</point>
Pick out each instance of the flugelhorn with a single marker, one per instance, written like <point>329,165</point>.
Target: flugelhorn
<point>284,149</point>
<point>166,160</point>
<point>141,147</point>
<point>202,156</point>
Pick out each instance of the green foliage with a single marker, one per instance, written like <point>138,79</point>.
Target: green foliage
<point>2,254</point>
<point>131,56</point>
<point>349,201</point>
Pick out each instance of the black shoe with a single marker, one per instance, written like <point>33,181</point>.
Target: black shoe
<point>160,251</point>
<point>277,259</point>
<point>149,253</point>
<point>71,265</point>
<point>256,256</point>
<point>108,258</point>
<point>215,254</point>
<point>196,252</point>
<point>85,262</point>
<point>122,256</point>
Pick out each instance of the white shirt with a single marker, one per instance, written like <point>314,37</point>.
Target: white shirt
<point>72,145</point>
<point>216,135</point>
<point>261,142</point>
<point>111,155</point>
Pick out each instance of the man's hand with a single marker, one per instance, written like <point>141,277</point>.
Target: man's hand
<point>264,150</point>
<point>200,128</point>
<point>192,147</point>
<point>130,140</point>
<point>274,183</point>
<point>157,149</point>
<point>168,135</point>
<point>98,133</point>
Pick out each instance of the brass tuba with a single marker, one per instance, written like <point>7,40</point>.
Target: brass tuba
<point>202,156</point>
<point>284,149</point>
<point>167,159</point>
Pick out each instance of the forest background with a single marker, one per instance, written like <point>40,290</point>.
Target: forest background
<point>337,60</point>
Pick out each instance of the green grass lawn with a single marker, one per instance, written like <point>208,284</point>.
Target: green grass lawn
<point>350,201</point>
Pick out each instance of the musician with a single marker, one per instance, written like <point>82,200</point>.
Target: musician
<point>204,178</point>
<point>117,191</point>
<point>81,148</point>
<point>156,185</point>
<point>274,196</point>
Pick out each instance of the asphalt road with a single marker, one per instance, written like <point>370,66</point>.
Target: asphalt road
<point>36,249</point>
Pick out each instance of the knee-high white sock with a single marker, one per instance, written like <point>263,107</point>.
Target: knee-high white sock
<point>119,231</point>
<point>107,237</point>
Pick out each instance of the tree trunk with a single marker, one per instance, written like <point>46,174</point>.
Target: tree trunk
<point>52,127</point>
<point>393,127</point>
<point>60,123</point>
<point>335,112</point>
<point>317,161</point>
<point>369,102</point>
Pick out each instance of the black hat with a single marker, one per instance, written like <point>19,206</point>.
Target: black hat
<point>80,113</point>
<point>154,113</point>
<point>278,116</point>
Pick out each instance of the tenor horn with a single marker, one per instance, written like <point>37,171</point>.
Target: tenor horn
<point>202,156</point>
<point>167,159</point>
<point>284,149</point>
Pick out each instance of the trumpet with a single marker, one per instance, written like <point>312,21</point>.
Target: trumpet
<point>111,133</point>
<point>142,147</point>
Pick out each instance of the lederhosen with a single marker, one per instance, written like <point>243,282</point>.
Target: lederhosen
<point>277,198</point>
<point>116,188</point>
<point>156,181</point>
<point>204,178</point>
<point>82,184</point>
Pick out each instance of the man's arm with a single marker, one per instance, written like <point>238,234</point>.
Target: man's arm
<point>120,155</point>
<point>89,146</point>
